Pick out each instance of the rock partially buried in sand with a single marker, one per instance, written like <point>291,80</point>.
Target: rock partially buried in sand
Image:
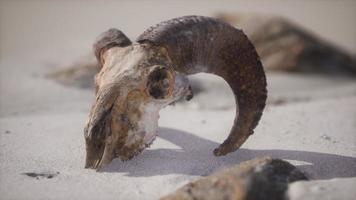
<point>257,179</point>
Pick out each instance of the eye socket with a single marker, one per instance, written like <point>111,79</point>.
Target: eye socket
<point>158,82</point>
<point>158,74</point>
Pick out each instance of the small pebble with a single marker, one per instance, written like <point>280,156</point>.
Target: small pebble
<point>37,176</point>
<point>325,137</point>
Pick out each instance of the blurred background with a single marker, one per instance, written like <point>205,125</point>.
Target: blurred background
<point>47,67</point>
<point>54,38</point>
<point>59,26</point>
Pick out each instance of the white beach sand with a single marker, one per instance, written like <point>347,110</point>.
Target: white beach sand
<point>310,120</point>
<point>321,189</point>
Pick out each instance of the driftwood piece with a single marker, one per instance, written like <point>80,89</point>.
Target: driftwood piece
<point>284,45</point>
<point>257,179</point>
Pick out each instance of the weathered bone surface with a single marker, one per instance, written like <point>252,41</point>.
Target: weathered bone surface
<point>138,79</point>
<point>257,179</point>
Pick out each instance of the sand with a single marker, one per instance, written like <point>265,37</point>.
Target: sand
<point>327,190</point>
<point>310,120</point>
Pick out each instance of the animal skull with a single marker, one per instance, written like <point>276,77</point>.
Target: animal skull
<point>138,79</point>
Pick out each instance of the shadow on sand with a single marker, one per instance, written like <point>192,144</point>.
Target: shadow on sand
<point>196,158</point>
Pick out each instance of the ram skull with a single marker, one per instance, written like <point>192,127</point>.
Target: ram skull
<point>138,79</point>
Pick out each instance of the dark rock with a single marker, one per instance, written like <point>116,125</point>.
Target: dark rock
<point>257,179</point>
<point>37,176</point>
<point>286,46</point>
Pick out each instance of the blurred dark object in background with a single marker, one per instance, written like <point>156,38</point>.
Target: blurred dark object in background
<point>80,74</point>
<point>285,46</point>
<point>281,44</point>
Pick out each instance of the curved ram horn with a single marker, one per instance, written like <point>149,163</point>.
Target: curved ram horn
<point>201,44</point>
<point>108,39</point>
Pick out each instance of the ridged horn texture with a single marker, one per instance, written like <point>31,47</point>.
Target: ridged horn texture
<point>110,38</point>
<point>202,44</point>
